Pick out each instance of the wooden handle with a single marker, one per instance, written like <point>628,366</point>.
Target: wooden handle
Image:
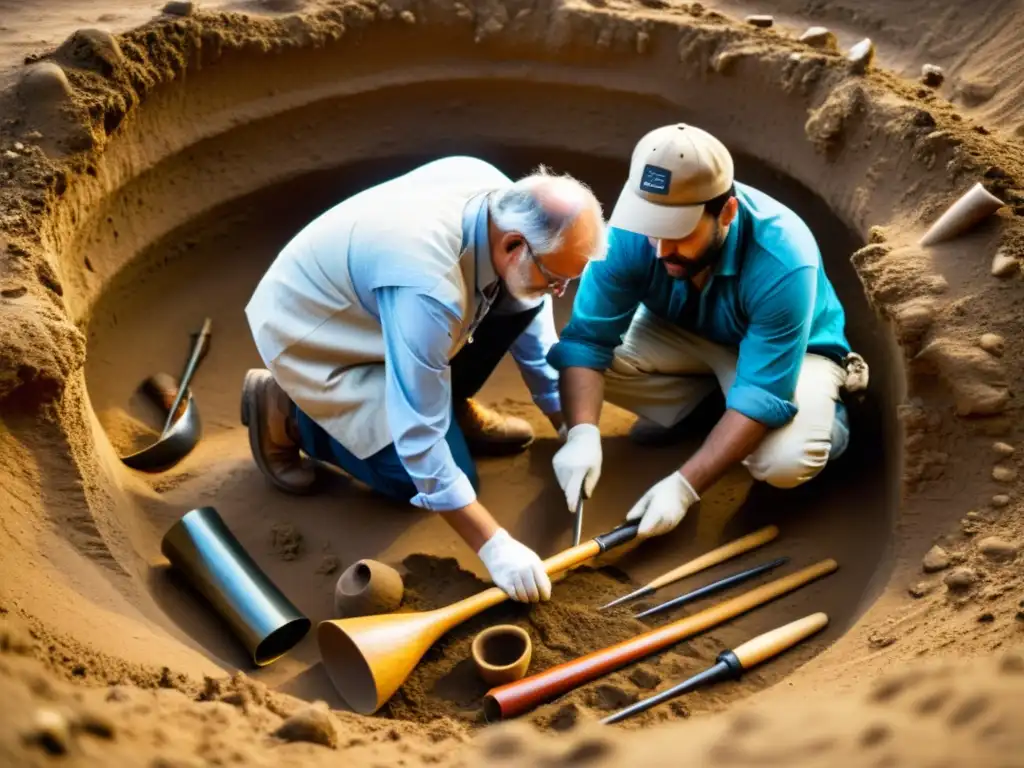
<point>514,698</point>
<point>716,556</point>
<point>481,601</point>
<point>772,643</point>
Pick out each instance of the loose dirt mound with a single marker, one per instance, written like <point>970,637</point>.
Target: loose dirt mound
<point>147,178</point>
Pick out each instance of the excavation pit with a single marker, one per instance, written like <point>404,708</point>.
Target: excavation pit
<point>197,188</point>
<point>208,268</point>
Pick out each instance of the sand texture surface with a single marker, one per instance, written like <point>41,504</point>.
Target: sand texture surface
<point>152,165</point>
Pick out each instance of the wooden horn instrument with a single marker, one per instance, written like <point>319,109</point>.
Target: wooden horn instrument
<point>514,698</point>
<point>369,657</point>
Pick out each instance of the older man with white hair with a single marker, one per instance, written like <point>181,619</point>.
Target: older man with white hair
<point>381,319</point>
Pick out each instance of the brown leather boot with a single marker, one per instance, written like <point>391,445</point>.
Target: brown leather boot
<point>272,437</point>
<point>488,432</point>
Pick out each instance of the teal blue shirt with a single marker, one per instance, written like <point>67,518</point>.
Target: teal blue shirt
<point>768,296</point>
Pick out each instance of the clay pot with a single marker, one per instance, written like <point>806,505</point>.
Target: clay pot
<point>367,587</point>
<point>502,653</point>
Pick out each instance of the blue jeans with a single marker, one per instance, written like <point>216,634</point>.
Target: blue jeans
<point>471,367</point>
<point>383,471</point>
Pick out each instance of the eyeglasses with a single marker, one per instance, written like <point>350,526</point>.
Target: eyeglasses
<point>556,283</point>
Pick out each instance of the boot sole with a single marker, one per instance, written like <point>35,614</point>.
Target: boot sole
<point>252,418</point>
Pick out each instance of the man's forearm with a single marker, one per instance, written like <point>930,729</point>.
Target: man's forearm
<point>582,392</point>
<point>734,437</point>
<point>473,523</point>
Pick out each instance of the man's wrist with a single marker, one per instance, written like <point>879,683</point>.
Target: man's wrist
<point>687,487</point>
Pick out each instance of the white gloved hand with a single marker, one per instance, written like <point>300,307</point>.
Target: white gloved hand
<point>578,463</point>
<point>515,568</point>
<point>663,507</point>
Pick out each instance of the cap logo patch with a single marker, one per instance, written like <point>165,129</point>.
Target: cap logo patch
<point>655,180</point>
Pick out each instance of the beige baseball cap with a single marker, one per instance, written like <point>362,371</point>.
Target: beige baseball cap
<point>674,170</point>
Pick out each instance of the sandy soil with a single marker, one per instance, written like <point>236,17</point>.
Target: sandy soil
<point>150,188</point>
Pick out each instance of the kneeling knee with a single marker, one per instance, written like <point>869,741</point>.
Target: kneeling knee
<point>789,465</point>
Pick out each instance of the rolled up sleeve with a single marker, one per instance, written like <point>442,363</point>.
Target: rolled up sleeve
<point>608,296</point>
<point>417,336</point>
<point>772,352</point>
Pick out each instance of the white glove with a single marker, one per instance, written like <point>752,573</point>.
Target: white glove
<point>663,507</point>
<point>578,463</point>
<point>515,568</point>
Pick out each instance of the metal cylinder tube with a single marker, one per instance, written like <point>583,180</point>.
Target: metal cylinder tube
<point>205,551</point>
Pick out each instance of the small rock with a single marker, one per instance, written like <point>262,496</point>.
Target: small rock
<point>11,155</point>
<point>50,730</point>
<point>312,724</point>
<point>180,8</point>
<point>19,147</point>
<point>1004,474</point>
<point>94,49</point>
<point>936,284</point>
<point>1002,449</point>
<point>119,693</point>
<point>935,560</point>
<point>820,37</point>
<point>921,589</point>
<point>975,92</point>
<point>993,343</point>
<point>328,565</point>
<point>760,20</point>
<point>880,640</point>
<point>861,55</point>
<point>644,678</point>
<point>44,82</point>
<point>408,17</point>
<point>1003,264</point>
<point>913,318</point>
<point>986,618</point>
<point>1000,500</point>
<point>286,540</point>
<point>932,75</point>
<point>996,548</point>
<point>961,579</point>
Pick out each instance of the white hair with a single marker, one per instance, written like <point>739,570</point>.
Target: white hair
<point>521,208</point>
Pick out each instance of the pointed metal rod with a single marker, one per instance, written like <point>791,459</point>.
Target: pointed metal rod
<point>732,664</point>
<point>578,527</point>
<point>705,561</point>
<point>715,586</point>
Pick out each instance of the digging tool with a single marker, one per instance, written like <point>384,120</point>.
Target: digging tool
<point>369,657</point>
<point>715,586</point>
<point>200,345</point>
<point>578,530</point>
<point>178,441</point>
<point>515,698</point>
<point>732,664</point>
<point>714,557</point>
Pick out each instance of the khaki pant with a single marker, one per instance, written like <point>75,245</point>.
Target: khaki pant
<point>662,372</point>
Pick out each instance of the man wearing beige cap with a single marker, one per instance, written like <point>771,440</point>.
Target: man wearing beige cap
<point>707,283</point>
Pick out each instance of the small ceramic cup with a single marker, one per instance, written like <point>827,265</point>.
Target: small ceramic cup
<point>502,653</point>
<point>368,587</point>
